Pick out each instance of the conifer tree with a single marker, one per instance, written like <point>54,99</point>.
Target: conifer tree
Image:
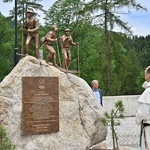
<point>113,118</point>
<point>106,17</point>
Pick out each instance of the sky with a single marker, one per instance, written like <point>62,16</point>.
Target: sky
<point>139,21</point>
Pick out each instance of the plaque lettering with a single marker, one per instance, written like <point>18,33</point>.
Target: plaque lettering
<point>40,112</point>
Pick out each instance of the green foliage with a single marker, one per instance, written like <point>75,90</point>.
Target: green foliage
<point>89,54</point>
<point>6,46</point>
<point>5,143</point>
<point>141,46</point>
<point>22,6</point>
<point>65,13</point>
<point>107,18</point>
<point>106,15</point>
<point>113,118</point>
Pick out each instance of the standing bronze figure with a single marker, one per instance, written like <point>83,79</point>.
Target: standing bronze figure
<point>49,39</point>
<point>66,42</point>
<point>31,25</point>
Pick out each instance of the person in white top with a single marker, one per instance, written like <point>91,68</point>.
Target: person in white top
<point>143,113</point>
<point>97,91</point>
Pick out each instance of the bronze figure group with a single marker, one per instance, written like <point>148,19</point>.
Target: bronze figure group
<point>31,25</point>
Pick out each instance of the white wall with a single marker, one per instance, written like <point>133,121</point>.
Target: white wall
<point>130,102</point>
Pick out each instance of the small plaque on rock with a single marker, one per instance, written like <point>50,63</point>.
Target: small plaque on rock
<point>40,100</point>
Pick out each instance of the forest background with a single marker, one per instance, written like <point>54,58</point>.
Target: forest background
<point>116,59</point>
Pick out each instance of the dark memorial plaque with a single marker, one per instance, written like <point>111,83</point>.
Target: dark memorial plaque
<point>40,100</point>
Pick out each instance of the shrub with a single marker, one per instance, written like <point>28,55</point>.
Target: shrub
<point>5,143</point>
<point>113,119</point>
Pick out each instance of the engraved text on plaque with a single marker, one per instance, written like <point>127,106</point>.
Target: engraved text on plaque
<point>40,111</point>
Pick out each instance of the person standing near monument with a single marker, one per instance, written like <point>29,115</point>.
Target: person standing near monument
<point>50,38</point>
<point>97,91</point>
<point>66,42</point>
<point>143,113</point>
<point>31,25</point>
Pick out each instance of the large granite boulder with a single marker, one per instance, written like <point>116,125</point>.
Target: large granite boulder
<point>79,111</point>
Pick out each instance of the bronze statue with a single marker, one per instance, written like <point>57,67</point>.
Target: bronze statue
<point>49,39</point>
<point>31,25</point>
<point>66,42</point>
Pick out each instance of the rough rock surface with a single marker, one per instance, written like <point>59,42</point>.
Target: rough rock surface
<point>79,111</point>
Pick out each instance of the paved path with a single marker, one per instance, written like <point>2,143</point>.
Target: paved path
<point>128,134</point>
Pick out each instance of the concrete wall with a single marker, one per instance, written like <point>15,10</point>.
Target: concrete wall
<point>130,102</point>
